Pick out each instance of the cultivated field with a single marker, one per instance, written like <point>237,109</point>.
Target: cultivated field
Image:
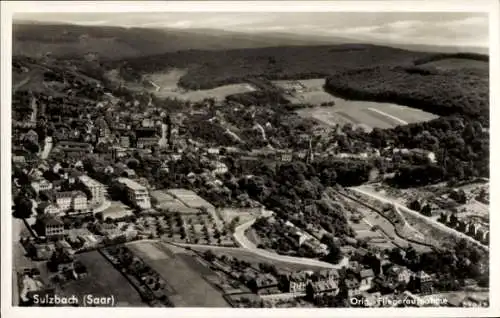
<point>165,85</point>
<point>166,201</point>
<point>367,115</point>
<point>386,236</point>
<point>102,280</point>
<point>183,273</point>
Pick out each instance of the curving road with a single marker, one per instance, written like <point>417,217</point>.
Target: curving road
<point>244,242</point>
<point>430,221</point>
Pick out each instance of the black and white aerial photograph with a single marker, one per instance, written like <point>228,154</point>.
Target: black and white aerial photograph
<point>249,159</point>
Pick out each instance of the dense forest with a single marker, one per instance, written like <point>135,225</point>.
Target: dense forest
<point>464,92</point>
<point>209,69</point>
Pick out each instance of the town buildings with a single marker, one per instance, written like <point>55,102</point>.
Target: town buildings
<point>137,194</point>
<point>76,201</point>
<point>352,286</point>
<point>366,276</point>
<point>424,282</point>
<point>41,185</point>
<point>96,189</point>
<point>49,226</point>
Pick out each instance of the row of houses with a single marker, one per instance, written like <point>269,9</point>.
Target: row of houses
<point>476,230</point>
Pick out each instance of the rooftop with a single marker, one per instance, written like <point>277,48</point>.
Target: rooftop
<point>88,181</point>
<point>129,183</point>
<point>323,286</point>
<point>50,220</point>
<point>366,273</point>
<point>351,283</point>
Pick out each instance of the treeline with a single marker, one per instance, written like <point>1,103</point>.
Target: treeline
<point>443,56</point>
<point>462,92</point>
<point>258,98</point>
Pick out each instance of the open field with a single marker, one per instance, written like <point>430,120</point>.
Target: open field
<point>306,91</point>
<point>164,85</point>
<point>368,115</point>
<point>165,201</point>
<point>102,280</point>
<point>183,273</point>
<point>190,198</point>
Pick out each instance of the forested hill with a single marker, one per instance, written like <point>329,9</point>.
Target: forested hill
<point>110,43</point>
<point>208,69</point>
<point>457,91</point>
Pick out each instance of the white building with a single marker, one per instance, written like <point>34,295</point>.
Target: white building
<point>42,185</point>
<point>96,189</point>
<point>79,202</point>
<point>220,168</point>
<point>76,201</point>
<point>63,200</point>
<point>137,194</point>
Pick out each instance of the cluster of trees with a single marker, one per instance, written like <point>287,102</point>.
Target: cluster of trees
<point>452,266</point>
<point>425,209</point>
<point>460,145</point>
<point>442,92</point>
<point>259,98</point>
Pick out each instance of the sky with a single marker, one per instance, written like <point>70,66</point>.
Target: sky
<point>429,28</point>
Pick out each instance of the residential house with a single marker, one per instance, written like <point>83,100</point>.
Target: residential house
<point>352,286</point>
<point>125,141</point>
<point>286,157</point>
<point>50,226</point>
<point>79,202</point>
<point>63,200</point>
<point>213,151</point>
<point>398,275</point>
<point>220,168</point>
<point>41,185</point>
<point>366,276</point>
<point>297,281</point>
<point>326,275</point>
<point>65,262</point>
<point>320,288</point>
<point>264,283</point>
<point>424,282</point>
